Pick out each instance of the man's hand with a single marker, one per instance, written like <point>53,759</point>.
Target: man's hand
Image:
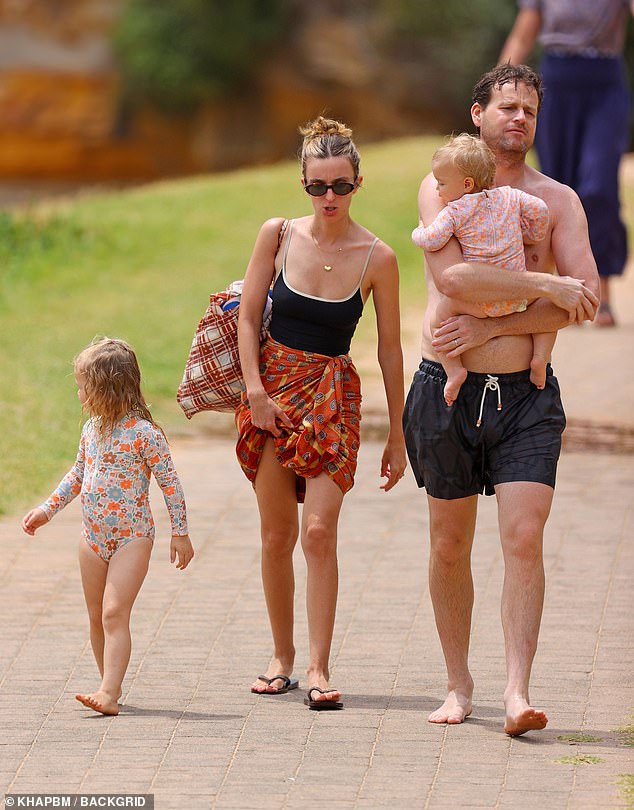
<point>570,294</point>
<point>460,333</point>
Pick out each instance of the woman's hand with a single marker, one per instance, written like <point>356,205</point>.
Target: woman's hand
<point>393,462</point>
<point>266,415</point>
<point>33,520</point>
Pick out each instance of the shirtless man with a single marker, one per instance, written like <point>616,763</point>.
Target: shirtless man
<point>514,450</point>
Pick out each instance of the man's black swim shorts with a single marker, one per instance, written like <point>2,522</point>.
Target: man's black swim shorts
<point>518,438</point>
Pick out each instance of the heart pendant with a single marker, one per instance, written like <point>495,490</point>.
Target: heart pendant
<point>328,268</point>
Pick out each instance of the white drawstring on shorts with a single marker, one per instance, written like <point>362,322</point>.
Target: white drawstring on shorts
<point>491,384</point>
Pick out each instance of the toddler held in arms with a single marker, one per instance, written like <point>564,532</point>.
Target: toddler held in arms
<point>492,226</point>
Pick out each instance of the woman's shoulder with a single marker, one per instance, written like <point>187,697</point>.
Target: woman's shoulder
<point>383,259</point>
<point>381,251</point>
<point>273,225</point>
<point>274,230</point>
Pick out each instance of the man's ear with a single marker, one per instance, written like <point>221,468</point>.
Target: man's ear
<point>469,185</point>
<point>476,113</point>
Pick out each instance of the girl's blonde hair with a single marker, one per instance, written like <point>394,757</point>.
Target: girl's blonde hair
<point>112,382</point>
<point>471,156</point>
<point>324,138</point>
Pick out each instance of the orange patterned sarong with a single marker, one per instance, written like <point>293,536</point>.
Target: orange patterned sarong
<point>321,395</point>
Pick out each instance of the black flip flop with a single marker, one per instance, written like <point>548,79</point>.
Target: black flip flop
<point>321,705</point>
<point>288,684</point>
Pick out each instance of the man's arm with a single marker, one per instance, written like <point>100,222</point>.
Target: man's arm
<point>521,40</point>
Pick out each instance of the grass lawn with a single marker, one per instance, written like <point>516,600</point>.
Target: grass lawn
<point>139,265</point>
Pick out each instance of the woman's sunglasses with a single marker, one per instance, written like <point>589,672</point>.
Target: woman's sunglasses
<point>340,188</point>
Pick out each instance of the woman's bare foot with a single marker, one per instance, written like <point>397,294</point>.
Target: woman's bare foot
<point>454,384</point>
<point>456,708</point>
<point>321,679</point>
<point>100,702</point>
<point>520,717</point>
<point>276,667</point>
<point>538,372</point>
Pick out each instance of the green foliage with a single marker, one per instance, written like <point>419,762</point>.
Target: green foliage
<point>579,738</point>
<point>579,759</point>
<point>626,734</point>
<point>180,53</point>
<point>626,783</point>
<point>449,44</point>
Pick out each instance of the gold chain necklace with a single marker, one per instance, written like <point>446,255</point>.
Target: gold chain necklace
<point>327,267</point>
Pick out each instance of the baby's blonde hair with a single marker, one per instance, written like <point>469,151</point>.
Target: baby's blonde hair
<point>324,138</point>
<point>471,156</point>
<point>112,382</point>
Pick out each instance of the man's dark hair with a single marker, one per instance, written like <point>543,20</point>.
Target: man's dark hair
<point>506,74</point>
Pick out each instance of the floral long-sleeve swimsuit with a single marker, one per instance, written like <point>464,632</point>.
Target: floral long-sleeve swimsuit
<point>112,473</point>
<point>491,226</point>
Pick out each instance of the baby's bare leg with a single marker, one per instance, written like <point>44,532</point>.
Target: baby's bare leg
<point>456,372</point>
<point>542,349</point>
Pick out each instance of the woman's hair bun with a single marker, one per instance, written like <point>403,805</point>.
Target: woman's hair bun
<point>325,138</point>
<point>324,126</point>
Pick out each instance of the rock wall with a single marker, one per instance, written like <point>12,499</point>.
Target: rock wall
<point>60,107</point>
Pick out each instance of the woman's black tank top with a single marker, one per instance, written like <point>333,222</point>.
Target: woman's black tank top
<point>312,324</point>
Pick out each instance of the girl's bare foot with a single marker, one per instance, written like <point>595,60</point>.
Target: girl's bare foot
<point>538,372</point>
<point>100,702</point>
<point>456,708</point>
<point>454,384</point>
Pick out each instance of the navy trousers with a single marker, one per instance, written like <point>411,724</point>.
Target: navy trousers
<point>582,133</point>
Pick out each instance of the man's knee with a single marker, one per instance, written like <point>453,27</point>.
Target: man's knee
<point>449,548</point>
<point>523,539</point>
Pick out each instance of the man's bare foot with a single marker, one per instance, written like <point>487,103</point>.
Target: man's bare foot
<point>520,717</point>
<point>456,708</point>
<point>100,702</point>
<point>277,667</point>
<point>538,372</point>
<point>604,316</point>
<point>454,384</point>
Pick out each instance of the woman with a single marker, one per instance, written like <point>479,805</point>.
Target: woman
<point>299,418</point>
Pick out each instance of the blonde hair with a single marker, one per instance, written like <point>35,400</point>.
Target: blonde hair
<point>112,382</point>
<point>471,156</point>
<point>324,138</point>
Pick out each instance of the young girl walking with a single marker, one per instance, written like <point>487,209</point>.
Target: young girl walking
<point>120,447</point>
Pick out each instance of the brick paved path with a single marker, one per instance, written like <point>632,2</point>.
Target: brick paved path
<point>192,734</point>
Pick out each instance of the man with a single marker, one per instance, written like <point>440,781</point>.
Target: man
<point>514,450</point>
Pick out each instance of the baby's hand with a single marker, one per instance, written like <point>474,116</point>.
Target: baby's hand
<point>183,547</point>
<point>33,520</point>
